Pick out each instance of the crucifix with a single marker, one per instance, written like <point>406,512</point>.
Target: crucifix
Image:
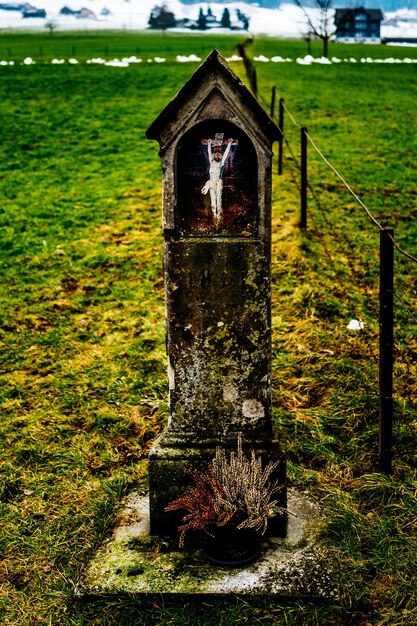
<point>217,160</point>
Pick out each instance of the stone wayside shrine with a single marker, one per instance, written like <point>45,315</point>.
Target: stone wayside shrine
<point>215,149</point>
<point>216,152</point>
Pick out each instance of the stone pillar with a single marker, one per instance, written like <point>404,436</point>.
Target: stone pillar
<point>215,148</point>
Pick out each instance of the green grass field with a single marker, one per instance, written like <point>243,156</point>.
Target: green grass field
<point>83,388</point>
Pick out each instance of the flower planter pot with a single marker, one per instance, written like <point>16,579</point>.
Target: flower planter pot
<point>233,548</point>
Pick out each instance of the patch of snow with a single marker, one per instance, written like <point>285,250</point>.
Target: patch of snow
<point>132,59</point>
<point>305,61</point>
<point>181,58</point>
<point>126,61</point>
<point>323,61</point>
<point>116,63</point>
<point>287,20</point>
<point>400,23</point>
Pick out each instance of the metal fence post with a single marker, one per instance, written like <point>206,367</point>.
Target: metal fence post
<point>303,220</point>
<point>281,127</point>
<point>386,347</point>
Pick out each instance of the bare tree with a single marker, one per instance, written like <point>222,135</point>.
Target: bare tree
<point>323,27</point>
<point>51,26</point>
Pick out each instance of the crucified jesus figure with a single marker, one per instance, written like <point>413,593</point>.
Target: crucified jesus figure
<point>215,184</point>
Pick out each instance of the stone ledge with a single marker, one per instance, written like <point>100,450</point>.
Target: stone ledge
<point>133,562</point>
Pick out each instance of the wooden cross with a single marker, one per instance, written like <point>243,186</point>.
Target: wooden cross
<point>219,141</point>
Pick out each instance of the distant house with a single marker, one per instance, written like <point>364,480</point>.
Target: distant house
<point>85,13</point>
<point>358,24</point>
<point>67,11</point>
<point>29,11</point>
<point>81,13</point>
<point>11,6</point>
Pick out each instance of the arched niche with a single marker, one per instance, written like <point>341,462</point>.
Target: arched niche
<point>217,184</point>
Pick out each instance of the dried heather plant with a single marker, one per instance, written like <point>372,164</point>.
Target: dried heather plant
<point>247,486</point>
<point>206,505</point>
<point>235,490</point>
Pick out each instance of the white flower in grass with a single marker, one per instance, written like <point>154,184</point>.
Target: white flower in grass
<point>355,325</point>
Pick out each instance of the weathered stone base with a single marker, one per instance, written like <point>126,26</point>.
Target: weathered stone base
<point>169,474</point>
<point>134,562</point>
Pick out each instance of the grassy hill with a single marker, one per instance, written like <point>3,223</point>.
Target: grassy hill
<point>83,387</point>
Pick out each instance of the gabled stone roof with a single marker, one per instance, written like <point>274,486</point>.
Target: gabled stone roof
<point>214,65</point>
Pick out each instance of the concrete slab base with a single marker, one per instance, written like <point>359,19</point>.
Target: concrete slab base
<point>133,562</point>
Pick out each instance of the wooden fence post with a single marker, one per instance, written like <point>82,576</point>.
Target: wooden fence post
<point>303,220</point>
<point>254,82</point>
<point>272,107</point>
<point>386,347</point>
<point>281,127</point>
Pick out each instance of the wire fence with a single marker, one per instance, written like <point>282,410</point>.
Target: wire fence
<point>294,160</point>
